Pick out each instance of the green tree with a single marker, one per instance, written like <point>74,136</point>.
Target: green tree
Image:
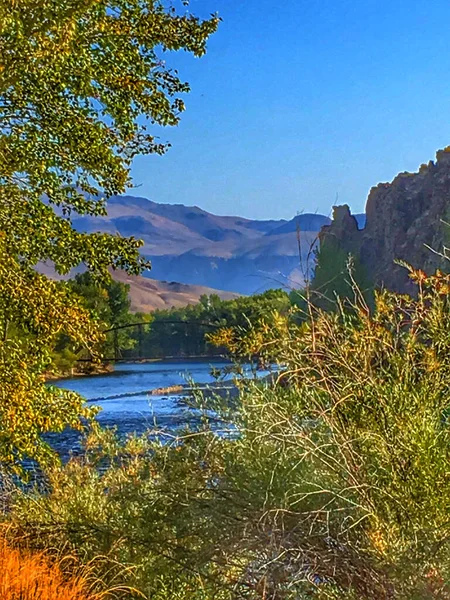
<point>188,330</point>
<point>109,303</point>
<point>34,312</point>
<point>80,83</point>
<point>335,274</point>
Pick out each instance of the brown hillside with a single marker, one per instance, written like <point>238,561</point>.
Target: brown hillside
<point>150,294</point>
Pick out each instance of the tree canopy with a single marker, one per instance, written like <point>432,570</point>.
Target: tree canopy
<point>34,312</point>
<point>190,330</point>
<point>81,83</point>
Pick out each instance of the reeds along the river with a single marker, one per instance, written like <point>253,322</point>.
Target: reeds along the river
<point>31,576</point>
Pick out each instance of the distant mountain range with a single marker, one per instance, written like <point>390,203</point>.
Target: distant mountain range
<point>189,245</point>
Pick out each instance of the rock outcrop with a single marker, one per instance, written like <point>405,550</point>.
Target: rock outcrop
<point>405,220</point>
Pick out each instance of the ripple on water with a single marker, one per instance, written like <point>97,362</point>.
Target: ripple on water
<point>126,402</point>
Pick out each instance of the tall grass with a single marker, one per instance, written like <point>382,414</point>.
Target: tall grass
<point>31,576</point>
<point>337,486</point>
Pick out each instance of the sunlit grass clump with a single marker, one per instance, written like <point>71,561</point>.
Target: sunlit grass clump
<point>31,576</point>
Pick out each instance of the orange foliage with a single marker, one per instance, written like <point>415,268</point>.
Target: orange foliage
<point>31,576</point>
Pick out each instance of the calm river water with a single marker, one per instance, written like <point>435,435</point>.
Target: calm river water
<point>124,395</point>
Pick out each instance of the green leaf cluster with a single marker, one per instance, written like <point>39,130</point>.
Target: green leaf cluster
<point>34,313</point>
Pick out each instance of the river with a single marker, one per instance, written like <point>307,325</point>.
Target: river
<point>127,402</point>
<point>125,397</point>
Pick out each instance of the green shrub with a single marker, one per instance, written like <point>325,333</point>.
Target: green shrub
<point>335,482</point>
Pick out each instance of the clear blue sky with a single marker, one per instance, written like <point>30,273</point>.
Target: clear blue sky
<point>300,100</point>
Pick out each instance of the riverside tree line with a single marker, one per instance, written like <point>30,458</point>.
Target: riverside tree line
<point>176,332</point>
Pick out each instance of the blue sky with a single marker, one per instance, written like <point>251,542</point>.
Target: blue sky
<point>299,101</point>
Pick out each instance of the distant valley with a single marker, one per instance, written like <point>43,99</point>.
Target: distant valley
<point>191,246</point>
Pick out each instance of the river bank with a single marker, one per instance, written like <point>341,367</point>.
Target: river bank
<point>96,369</point>
<point>74,373</point>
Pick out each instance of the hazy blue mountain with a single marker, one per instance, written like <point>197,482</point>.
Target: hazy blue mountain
<point>192,246</point>
<point>303,222</point>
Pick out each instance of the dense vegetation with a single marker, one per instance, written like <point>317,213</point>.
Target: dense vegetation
<point>175,332</point>
<point>108,304</point>
<point>329,480</point>
<point>336,272</point>
<point>328,490</point>
<point>33,576</point>
<point>187,331</point>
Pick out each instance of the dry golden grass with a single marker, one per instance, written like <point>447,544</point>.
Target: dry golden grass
<point>31,576</point>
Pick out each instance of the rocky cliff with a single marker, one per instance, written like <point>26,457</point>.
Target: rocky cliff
<point>404,219</point>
